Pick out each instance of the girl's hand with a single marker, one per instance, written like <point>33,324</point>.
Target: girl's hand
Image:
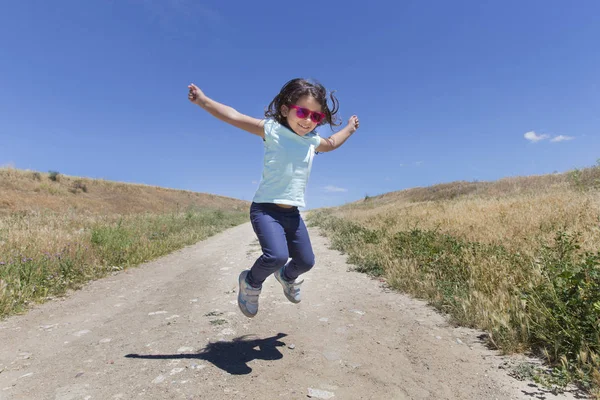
<point>195,95</point>
<point>353,123</point>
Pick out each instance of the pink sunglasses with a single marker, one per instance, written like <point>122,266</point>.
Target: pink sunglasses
<point>302,113</point>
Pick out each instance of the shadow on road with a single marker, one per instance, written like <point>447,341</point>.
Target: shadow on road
<point>230,356</point>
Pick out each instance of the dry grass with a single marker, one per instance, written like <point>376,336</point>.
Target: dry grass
<point>512,212</point>
<point>510,221</point>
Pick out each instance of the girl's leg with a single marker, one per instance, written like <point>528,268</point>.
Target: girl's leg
<point>300,250</point>
<point>271,235</point>
<point>303,258</point>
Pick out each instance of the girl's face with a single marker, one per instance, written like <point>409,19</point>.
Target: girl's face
<point>305,125</point>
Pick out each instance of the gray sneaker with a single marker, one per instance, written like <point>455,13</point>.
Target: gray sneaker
<point>247,296</point>
<point>291,289</point>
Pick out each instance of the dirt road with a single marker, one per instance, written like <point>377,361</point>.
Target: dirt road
<point>171,329</point>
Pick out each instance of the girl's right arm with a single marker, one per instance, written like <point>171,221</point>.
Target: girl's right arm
<point>226,113</point>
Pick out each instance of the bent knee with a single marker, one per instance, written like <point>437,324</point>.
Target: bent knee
<point>275,260</point>
<point>305,263</point>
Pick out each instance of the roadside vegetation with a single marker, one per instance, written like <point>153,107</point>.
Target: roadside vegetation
<point>59,232</point>
<point>518,258</point>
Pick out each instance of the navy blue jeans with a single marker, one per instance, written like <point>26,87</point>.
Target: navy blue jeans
<point>282,234</point>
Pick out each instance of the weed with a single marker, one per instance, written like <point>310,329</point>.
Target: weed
<point>54,176</point>
<point>77,186</point>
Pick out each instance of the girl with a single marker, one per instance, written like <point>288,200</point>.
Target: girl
<point>290,141</point>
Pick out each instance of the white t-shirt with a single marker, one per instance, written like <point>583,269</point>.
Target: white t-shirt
<point>287,164</point>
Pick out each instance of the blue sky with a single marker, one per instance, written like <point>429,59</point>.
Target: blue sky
<point>445,91</point>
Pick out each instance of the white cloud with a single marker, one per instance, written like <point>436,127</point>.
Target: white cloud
<point>534,137</point>
<point>419,163</point>
<point>331,188</point>
<point>254,182</point>
<point>561,138</point>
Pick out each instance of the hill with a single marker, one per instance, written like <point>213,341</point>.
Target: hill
<point>34,191</point>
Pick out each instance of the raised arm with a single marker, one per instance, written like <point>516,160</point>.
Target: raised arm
<point>226,113</point>
<point>337,139</point>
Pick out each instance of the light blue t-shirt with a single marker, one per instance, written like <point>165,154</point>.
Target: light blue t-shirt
<point>287,164</point>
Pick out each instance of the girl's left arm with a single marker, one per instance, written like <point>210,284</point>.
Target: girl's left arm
<point>337,139</point>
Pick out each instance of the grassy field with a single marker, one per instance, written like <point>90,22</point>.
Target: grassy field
<point>518,258</point>
<point>58,232</point>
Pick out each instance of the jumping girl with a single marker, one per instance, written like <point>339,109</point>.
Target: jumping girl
<point>290,141</point>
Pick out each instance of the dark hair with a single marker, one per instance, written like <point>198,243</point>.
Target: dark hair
<point>296,88</point>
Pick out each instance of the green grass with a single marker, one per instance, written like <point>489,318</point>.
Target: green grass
<point>31,270</point>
